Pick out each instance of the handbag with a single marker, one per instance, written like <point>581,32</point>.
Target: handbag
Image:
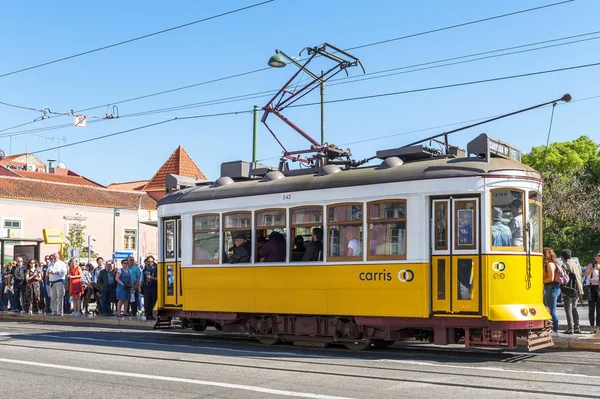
<point>132,299</point>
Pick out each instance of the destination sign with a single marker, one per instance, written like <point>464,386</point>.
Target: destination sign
<point>485,146</point>
<point>503,150</point>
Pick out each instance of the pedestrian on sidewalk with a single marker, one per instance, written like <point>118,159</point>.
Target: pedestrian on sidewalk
<point>593,271</point>
<point>75,285</point>
<point>33,276</point>
<point>18,278</point>
<point>551,288</point>
<point>570,302</point>
<point>57,270</point>
<point>150,287</point>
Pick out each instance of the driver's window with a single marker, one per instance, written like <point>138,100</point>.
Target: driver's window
<point>507,219</point>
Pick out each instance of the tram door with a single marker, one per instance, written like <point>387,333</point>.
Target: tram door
<point>455,266</point>
<point>171,281</point>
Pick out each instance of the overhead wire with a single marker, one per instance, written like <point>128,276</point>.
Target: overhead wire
<point>332,101</point>
<point>137,38</point>
<point>348,49</point>
<point>140,128</point>
<point>338,81</point>
<point>458,25</point>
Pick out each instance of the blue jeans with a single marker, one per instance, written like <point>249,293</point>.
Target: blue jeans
<point>551,293</point>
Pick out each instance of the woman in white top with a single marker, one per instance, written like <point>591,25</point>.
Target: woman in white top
<point>593,272</point>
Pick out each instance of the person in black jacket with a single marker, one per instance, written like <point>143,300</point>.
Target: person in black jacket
<point>241,251</point>
<point>314,251</point>
<point>18,278</point>
<point>150,287</point>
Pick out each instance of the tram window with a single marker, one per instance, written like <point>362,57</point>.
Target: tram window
<point>465,279</point>
<point>303,223</point>
<point>534,225</point>
<point>270,235</point>
<point>345,236</point>
<point>441,225</point>
<point>441,279</point>
<point>387,230</point>
<point>170,239</point>
<point>466,224</point>
<point>206,239</point>
<point>236,237</point>
<point>507,224</point>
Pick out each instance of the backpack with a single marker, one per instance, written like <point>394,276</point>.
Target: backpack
<point>570,288</point>
<point>560,276</point>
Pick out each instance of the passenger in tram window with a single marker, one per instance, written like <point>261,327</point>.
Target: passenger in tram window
<point>501,234</point>
<point>260,242</point>
<point>516,223</point>
<point>354,247</point>
<point>241,250</point>
<point>299,249</point>
<point>314,251</point>
<point>274,250</point>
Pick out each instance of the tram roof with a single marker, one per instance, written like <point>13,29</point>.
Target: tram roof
<point>421,170</point>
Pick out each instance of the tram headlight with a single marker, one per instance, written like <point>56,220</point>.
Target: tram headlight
<point>532,311</point>
<point>524,312</point>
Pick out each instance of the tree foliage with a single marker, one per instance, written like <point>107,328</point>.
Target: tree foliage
<point>76,238</point>
<point>571,196</point>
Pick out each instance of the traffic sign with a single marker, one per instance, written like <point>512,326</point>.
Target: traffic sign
<point>122,255</point>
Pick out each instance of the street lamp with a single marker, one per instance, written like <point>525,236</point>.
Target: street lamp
<point>278,61</point>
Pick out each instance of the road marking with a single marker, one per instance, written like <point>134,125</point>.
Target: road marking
<point>176,379</point>
<point>454,366</point>
<point>212,348</point>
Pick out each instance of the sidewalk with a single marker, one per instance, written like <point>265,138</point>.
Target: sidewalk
<point>581,342</point>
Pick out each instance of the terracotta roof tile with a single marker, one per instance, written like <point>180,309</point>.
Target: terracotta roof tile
<point>179,163</point>
<point>71,178</point>
<point>128,186</point>
<point>65,193</point>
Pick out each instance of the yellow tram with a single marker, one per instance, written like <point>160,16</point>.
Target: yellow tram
<point>439,247</point>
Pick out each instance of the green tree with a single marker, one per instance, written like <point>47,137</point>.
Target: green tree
<point>571,197</point>
<point>77,239</point>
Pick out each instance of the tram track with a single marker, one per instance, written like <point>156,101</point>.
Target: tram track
<point>344,372</point>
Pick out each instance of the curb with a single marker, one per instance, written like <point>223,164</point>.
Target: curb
<point>68,319</point>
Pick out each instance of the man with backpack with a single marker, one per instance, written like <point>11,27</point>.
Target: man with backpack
<point>571,291</point>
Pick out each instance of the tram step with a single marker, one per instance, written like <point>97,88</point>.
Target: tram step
<point>537,341</point>
<point>162,324</point>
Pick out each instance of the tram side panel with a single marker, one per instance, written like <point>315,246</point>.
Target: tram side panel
<point>398,290</point>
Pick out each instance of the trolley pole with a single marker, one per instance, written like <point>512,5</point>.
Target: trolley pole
<point>254,134</point>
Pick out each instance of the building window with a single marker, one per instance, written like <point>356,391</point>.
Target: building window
<point>12,224</point>
<point>345,232</point>
<point>129,236</point>
<point>387,230</point>
<point>206,239</point>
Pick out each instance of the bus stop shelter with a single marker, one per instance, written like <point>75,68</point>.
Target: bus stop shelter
<point>30,243</point>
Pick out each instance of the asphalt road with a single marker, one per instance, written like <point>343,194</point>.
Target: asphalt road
<point>59,361</point>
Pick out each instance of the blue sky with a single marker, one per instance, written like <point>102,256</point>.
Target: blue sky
<point>34,32</point>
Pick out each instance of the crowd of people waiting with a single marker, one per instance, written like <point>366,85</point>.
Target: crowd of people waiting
<point>54,288</point>
<point>589,291</point>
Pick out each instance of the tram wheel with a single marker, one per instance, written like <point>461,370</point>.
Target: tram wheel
<point>268,340</point>
<point>358,345</point>
<point>383,343</point>
<point>199,326</point>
